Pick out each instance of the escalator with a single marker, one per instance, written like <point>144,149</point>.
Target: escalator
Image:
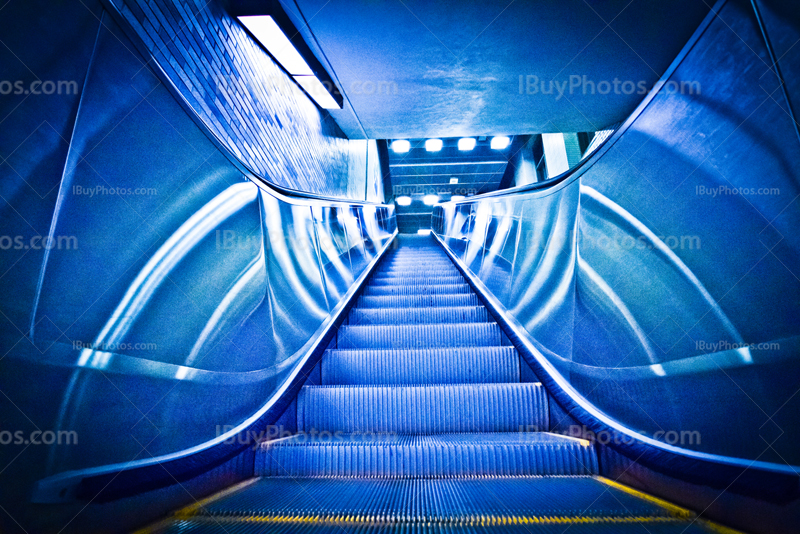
<point>423,418</point>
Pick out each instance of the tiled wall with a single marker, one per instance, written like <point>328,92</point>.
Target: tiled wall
<point>246,100</point>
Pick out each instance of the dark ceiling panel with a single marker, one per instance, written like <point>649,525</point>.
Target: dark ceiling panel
<point>420,69</point>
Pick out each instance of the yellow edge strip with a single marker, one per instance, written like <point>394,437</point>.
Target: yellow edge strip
<point>477,521</point>
<point>189,511</point>
<point>676,510</point>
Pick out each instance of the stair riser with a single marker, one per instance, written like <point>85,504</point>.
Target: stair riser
<point>392,461</point>
<point>441,280</point>
<point>388,301</point>
<point>445,289</point>
<point>419,337</point>
<point>397,316</point>
<point>470,366</point>
<point>423,410</point>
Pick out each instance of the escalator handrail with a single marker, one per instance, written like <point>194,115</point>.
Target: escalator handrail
<point>749,477</point>
<point>117,481</point>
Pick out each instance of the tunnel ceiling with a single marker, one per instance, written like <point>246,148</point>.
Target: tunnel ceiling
<point>412,68</point>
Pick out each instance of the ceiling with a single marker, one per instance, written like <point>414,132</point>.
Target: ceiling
<point>416,69</point>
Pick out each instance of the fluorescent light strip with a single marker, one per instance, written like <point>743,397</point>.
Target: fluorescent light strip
<point>448,164</point>
<point>264,28</point>
<point>317,91</point>
<point>269,34</point>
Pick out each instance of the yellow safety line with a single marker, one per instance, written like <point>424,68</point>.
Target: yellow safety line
<point>678,511</point>
<point>190,511</point>
<point>481,521</point>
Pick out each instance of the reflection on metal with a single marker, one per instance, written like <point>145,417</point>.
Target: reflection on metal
<point>557,368</point>
<point>588,274</point>
<point>254,275</point>
<point>613,213</point>
<point>279,286</point>
<point>168,256</point>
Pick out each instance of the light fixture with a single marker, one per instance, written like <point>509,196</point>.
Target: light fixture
<point>433,145</point>
<point>456,198</point>
<point>466,143</point>
<point>403,201</point>
<point>269,34</point>
<point>453,180</point>
<point>318,91</point>
<point>430,200</point>
<point>266,30</point>
<point>401,146</point>
<point>500,142</point>
<point>423,231</point>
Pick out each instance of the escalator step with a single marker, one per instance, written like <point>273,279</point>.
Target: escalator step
<point>545,525</point>
<point>417,280</point>
<point>423,409</point>
<point>427,366</point>
<point>439,289</point>
<point>449,500</point>
<point>419,336</point>
<point>450,314</point>
<point>449,455</point>
<point>413,301</point>
<point>418,269</point>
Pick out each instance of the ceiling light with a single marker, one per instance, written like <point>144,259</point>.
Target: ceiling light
<point>500,142</point>
<point>453,180</point>
<point>433,145</point>
<point>264,28</point>
<point>317,91</point>
<point>467,143</point>
<point>403,201</point>
<point>456,198</point>
<point>430,200</point>
<point>400,146</point>
<point>422,231</point>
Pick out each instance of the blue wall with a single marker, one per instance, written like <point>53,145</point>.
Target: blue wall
<point>177,295</point>
<point>246,99</point>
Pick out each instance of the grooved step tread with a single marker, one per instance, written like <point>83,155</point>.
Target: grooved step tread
<point>390,281</point>
<point>443,455</point>
<point>544,525</point>
<point>419,336</point>
<point>438,500</point>
<point>430,315</point>
<point>423,409</point>
<point>472,365</point>
<point>429,289</point>
<point>415,301</point>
